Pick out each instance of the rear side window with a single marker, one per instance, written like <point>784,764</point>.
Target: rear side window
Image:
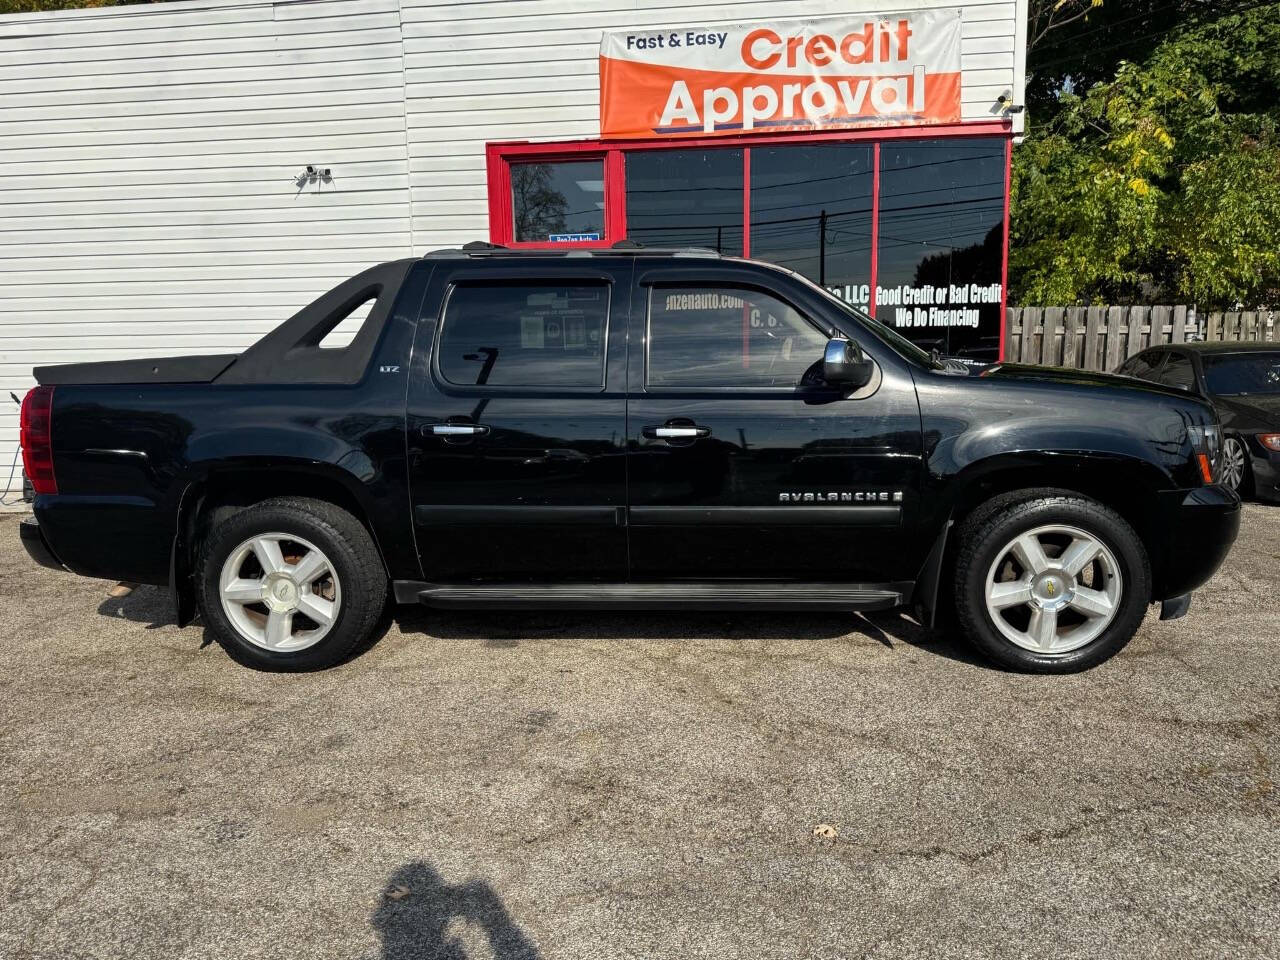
<point>525,335</point>
<point>716,336</point>
<point>1143,366</point>
<point>1178,372</point>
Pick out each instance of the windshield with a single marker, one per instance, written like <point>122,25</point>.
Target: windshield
<point>1229,373</point>
<point>894,340</point>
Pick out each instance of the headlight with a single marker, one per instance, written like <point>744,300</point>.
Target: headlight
<point>1270,440</point>
<point>1206,440</point>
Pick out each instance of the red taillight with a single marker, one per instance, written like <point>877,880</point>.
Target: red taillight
<point>37,439</point>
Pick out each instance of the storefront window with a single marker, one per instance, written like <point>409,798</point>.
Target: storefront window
<point>685,198</point>
<point>558,202</point>
<point>941,243</point>
<point>811,212</point>
<point>919,243</point>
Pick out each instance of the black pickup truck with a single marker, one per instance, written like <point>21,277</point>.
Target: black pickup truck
<point>625,429</point>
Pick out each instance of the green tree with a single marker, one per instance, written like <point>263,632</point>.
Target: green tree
<point>1163,181</point>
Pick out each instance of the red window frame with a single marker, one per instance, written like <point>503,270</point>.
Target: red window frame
<point>500,156</point>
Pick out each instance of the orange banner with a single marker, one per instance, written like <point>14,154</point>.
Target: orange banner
<point>825,73</point>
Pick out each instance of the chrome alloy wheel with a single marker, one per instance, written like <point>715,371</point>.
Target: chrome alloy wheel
<point>280,592</point>
<point>1053,589</point>
<point>1232,463</point>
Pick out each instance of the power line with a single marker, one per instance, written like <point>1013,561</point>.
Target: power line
<point>1189,25</point>
<point>736,187</point>
<point>1075,38</point>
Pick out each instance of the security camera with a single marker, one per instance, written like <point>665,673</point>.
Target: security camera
<point>311,171</point>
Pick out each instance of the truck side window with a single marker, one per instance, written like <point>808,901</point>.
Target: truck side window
<point>1143,366</point>
<point>525,334</point>
<point>1178,372</point>
<point>716,336</point>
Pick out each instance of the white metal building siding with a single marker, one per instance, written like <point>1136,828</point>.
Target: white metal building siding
<point>148,154</point>
<point>147,163</point>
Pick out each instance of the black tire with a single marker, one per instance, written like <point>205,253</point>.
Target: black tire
<point>988,531</point>
<point>342,539</point>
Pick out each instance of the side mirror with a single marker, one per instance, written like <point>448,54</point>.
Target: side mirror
<point>845,365</point>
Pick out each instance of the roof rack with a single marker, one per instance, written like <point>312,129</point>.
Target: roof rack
<point>623,248</point>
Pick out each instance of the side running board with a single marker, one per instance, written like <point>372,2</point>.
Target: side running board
<point>735,595</point>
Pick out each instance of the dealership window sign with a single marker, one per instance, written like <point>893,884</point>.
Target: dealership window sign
<point>573,237</point>
<point>821,73</point>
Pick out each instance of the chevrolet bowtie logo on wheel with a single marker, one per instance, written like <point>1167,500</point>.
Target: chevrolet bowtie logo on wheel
<point>842,496</point>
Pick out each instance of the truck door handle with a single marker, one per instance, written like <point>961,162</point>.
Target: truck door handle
<point>457,429</point>
<point>670,432</point>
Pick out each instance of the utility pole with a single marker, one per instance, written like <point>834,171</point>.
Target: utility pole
<point>822,248</point>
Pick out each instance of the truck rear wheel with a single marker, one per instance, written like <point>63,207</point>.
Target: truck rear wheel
<point>291,584</point>
<point>1049,581</point>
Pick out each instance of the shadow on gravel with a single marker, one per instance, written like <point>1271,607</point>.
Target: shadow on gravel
<point>891,629</point>
<point>418,907</point>
<point>153,607</point>
<point>147,604</point>
<point>894,626</point>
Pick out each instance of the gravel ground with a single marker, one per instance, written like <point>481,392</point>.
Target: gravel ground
<point>596,786</point>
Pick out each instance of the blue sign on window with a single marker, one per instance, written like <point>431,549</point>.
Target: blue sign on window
<point>573,237</point>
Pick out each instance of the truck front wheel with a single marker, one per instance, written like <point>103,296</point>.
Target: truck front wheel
<point>291,584</point>
<point>1049,581</point>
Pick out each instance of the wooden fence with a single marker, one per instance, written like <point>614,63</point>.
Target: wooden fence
<point>1100,338</point>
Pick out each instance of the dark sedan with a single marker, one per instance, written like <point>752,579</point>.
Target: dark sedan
<point>1242,381</point>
